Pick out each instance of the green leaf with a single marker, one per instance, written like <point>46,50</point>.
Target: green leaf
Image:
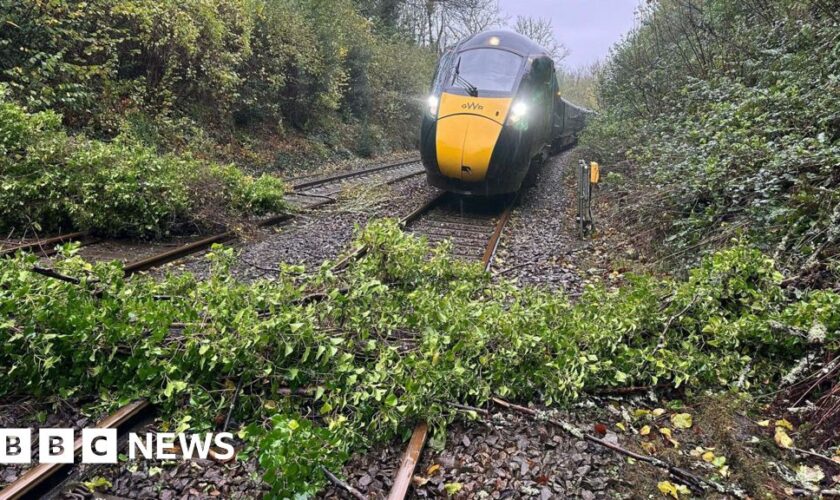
<point>681,420</point>
<point>452,488</point>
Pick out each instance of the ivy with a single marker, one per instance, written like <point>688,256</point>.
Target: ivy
<point>729,114</point>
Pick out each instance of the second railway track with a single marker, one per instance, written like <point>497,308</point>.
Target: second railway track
<point>304,194</point>
<point>312,193</point>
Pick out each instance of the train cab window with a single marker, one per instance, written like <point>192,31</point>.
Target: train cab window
<point>492,70</point>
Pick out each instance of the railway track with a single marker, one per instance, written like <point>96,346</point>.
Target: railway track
<point>477,229</point>
<point>473,228</point>
<point>305,194</point>
<point>321,191</point>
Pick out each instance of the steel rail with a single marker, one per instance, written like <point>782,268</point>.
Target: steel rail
<point>191,248</point>
<point>49,242</point>
<point>43,478</point>
<point>493,244</point>
<point>411,456</point>
<point>353,173</point>
<point>309,176</point>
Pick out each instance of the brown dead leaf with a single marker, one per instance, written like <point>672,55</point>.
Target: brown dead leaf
<point>419,481</point>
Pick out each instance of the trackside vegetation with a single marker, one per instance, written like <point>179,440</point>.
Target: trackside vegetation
<point>51,180</point>
<point>218,76</point>
<point>728,113</point>
<point>393,338</point>
<point>125,117</point>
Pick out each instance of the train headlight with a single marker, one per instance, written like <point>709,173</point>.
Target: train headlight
<point>433,102</point>
<point>518,112</point>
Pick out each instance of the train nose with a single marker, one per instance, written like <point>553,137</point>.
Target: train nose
<point>465,144</point>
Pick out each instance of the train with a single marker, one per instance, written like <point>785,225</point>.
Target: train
<point>493,112</point>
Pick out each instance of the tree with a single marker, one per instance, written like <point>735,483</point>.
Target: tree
<point>541,31</point>
<point>440,23</point>
<point>468,17</point>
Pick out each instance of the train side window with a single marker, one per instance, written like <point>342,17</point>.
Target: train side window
<point>443,71</point>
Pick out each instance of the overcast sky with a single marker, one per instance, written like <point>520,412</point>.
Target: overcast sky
<point>586,27</point>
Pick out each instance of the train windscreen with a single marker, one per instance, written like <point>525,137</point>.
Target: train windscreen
<point>487,69</point>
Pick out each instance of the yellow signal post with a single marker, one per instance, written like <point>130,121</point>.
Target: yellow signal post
<point>594,172</point>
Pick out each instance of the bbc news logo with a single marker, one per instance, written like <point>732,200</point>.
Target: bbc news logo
<point>99,446</point>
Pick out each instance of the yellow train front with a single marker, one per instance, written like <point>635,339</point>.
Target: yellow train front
<point>490,113</point>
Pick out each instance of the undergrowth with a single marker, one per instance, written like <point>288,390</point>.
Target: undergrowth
<point>728,112</point>
<point>51,180</point>
<point>394,338</point>
<point>228,74</point>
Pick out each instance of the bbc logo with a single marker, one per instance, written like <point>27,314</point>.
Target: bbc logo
<point>56,446</point>
<point>99,446</point>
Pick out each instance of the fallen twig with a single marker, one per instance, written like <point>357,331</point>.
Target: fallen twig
<point>259,267</point>
<point>814,454</point>
<point>233,403</point>
<point>698,484</point>
<point>304,392</point>
<point>480,411</point>
<point>826,372</point>
<point>519,266</point>
<point>818,493</point>
<point>618,391</point>
<point>342,484</point>
<point>43,271</point>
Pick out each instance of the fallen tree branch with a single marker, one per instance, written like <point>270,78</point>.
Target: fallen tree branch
<point>698,484</point>
<point>342,484</point>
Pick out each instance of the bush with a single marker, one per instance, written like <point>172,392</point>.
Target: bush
<point>50,180</point>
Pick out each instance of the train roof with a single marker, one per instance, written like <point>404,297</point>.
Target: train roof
<point>577,106</point>
<point>505,40</point>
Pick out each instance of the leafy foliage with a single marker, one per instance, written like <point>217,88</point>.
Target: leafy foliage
<point>216,62</point>
<point>730,112</point>
<point>395,337</point>
<point>51,180</point>
<point>293,449</point>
